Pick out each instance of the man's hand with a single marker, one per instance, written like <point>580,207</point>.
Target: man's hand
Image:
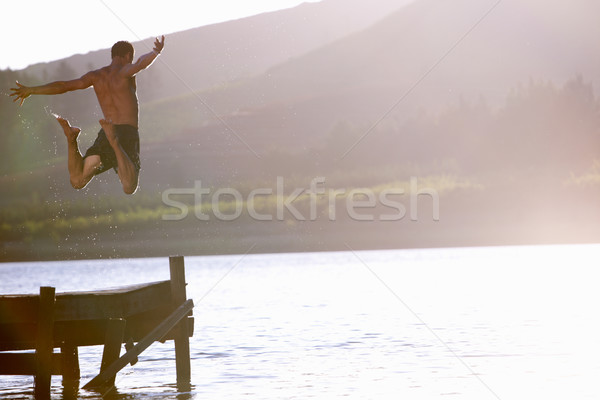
<point>21,93</point>
<point>159,44</point>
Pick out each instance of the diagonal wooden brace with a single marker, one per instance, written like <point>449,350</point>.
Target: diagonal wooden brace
<point>161,330</point>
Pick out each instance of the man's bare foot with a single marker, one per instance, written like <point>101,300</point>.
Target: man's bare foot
<point>109,130</point>
<point>71,132</point>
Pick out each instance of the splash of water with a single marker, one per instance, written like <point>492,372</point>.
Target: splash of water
<point>50,112</point>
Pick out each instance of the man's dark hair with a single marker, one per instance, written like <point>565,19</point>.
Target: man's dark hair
<point>121,49</point>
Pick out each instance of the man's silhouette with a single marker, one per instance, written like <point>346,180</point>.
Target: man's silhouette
<point>117,145</point>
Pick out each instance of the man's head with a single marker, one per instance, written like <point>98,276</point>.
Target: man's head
<point>122,49</point>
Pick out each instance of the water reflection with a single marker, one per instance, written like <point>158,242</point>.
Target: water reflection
<point>319,325</point>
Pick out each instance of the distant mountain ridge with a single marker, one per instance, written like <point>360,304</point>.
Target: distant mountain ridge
<point>515,42</point>
<point>341,57</point>
<point>424,56</point>
<point>206,56</point>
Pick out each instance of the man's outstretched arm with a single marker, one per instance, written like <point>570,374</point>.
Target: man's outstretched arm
<point>21,92</point>
<point>145,60</point>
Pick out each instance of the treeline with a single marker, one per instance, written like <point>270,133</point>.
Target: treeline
<point>42,219</point>
<point>38,217</point>
<point>541,127</point>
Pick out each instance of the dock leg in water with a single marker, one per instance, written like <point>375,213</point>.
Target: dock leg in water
<point>181,333</point>
<point>45,343</point>
<point>115,330</point>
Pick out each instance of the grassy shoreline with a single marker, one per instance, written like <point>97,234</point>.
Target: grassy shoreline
<point>469,215</point>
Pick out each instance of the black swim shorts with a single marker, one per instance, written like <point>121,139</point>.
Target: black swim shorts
<point>129,139</point>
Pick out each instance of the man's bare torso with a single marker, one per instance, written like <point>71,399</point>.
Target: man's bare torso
<point>116,95</point>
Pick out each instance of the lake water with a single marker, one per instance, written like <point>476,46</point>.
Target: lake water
<point>469,323</point>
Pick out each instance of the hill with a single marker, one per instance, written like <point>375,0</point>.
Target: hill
<point>208,56</point>
<point>447,44</point>
<point>503,123</point>
<point>420,60</point>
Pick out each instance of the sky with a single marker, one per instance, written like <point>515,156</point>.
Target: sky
<point>35,31</point>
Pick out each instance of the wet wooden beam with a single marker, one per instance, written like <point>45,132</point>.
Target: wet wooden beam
<point>101,304</point>
<point>25,364</point>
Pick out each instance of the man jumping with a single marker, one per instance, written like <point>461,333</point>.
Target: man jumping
<point>117,145</point>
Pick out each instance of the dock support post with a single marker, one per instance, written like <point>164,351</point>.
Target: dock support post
<point>115,330</point>
<point>69,367</point>
<point>181,333</point>
<point>69,362</point>
<point>44,343</point>
<point>69,357</point>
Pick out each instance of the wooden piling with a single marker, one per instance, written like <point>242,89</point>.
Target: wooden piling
<point>44,343</point>
<point>69,354</point>
<point>115,330</point>
<point>181,331</point>
<point>69,362</point>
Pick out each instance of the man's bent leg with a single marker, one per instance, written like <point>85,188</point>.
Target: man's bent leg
<point>80,171</point>
<point>128,174</point>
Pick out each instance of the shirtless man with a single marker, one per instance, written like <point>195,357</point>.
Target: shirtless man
<point>117,145</point>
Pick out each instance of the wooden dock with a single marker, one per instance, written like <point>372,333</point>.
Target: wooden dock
<point>136,316</point>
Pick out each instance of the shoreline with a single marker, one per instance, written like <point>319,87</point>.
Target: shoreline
<point>296,239</point>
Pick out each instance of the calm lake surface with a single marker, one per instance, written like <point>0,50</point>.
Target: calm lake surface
<point>470,323</point>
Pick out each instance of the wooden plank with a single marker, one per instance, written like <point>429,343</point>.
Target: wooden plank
<point>18,336</point>
<point>19,308</point>
<point>25,364</point>
<point>180,332</point>
<point>83,333</point>
<point>79,333</point>
<point>112,303</point>
<point>162,329</point>
<point>45,343</point>
<point>100,304</point>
